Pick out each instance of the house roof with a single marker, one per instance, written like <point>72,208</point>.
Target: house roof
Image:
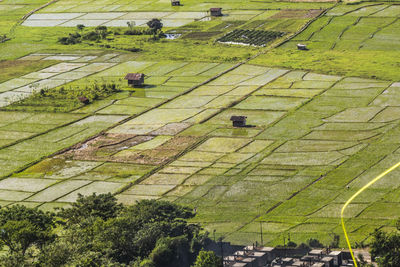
<point>134,76</point>
<point>215,9</point>
<point>238,118</point>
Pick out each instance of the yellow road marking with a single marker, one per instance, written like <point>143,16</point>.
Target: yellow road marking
<point>353,197</point>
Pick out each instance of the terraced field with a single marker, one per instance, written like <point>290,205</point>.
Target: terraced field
<point>313,137</point>
<point>367,27</point>
<point>361,39</point>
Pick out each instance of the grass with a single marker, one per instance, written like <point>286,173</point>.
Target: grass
<point>343,42</point>
<point>64,99</point>
<point>16,68</point>
<point>358,63</point>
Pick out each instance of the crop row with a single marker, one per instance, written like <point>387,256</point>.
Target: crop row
<point>251,37</point>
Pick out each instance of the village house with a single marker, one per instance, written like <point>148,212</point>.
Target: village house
<point>175,2</point>
<point>238,121</point>
<point>135,79</point>
<point>302,47</point>
<point>216,11</point>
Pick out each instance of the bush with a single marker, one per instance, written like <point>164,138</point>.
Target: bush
<point>91,36</point>
<point>80,27</point>
<point>3,38</point>
<point>207,259</point>
<point>73,38</point>
<point>64,99</point>
<point>251,37</point>
<point>314,243</point>
<point>138,32</point>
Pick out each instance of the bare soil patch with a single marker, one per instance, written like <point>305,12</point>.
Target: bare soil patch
<point>120,148</point>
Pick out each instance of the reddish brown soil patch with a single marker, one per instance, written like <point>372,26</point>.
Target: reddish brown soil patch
<point>159,155</point>
<point>106,147</point>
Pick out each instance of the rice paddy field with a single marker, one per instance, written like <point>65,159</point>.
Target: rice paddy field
<point>360,39</point>
<point>321,123</point>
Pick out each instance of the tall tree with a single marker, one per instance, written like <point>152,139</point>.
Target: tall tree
<point>155,25</point>
<point>385,248</point>
<point>207,259</point>
<point>22,227</point>
<point>103,206</point>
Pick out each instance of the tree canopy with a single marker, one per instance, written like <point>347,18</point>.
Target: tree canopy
<point>97,231</point>
<point>385,248</point>
<point>22,228</point>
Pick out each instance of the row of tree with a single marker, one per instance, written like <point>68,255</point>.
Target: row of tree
<point>97,231</point>
<point>101,32</point>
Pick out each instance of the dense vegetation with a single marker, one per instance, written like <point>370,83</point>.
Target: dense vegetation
<point>102,33</point>
<point>251,37</point>
<point>64,98</point>
<point>96,231</point>
<point>385,247</point>
<point>96,35</point>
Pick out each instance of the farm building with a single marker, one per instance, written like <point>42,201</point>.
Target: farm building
<point>84,100</point>
<point>302,47</point>
<point>175,2</point>
<point>216,11</point>
<point>135,79</point>
<point>238,121</point>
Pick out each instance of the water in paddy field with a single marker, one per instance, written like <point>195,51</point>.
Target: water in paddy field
<point>171,36</point>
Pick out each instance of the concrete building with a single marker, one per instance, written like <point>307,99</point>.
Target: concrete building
<point>328,261</point>
<point>253,256</point>
<point>337,257</point>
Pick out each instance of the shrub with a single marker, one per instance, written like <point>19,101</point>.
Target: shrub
<point>250,37</point>
<point>73,38</point>
<point>314,243</point>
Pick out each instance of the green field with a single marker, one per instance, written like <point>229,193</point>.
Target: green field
<point>322,122</point>
<point>353,40</point>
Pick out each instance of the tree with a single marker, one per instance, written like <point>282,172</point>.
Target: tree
<point>102,206</point>
<point>80,27</point>
<point>22,227</point>
<point>207,259</point>
<point>314,243</point>
<point>131,25</point>
<point>101,31</point>
<point>155,25</point>
<point>97,231</point>
<point>101,232</point>
<point>385,248</point>
<point>171,252</point>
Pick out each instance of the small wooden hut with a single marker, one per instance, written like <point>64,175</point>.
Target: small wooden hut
<point>302,47</point>
<point>238,121</point>
<point>175,2</point>
<point>216,11</point>
<point>135,79</point>
<point>84,100</point>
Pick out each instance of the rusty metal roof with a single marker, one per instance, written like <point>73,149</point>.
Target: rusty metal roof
<point>134,76</point>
